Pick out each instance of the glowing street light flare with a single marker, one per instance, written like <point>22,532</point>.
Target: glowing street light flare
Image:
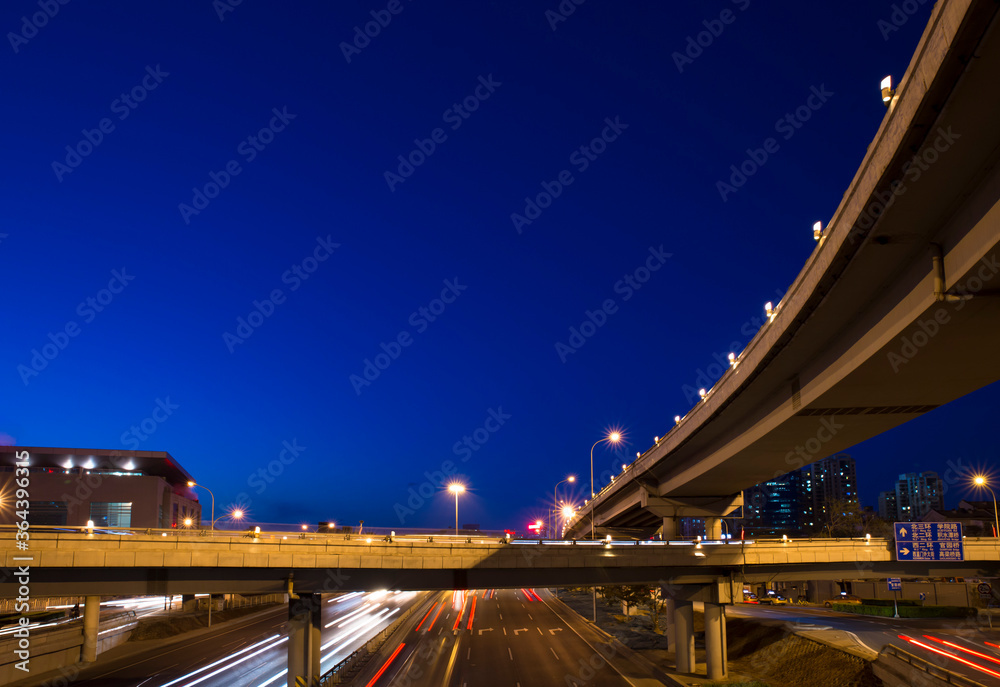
<point>887,90</point>
<point>456,488</point>
<point>555,496</point>
<point>818,231</point>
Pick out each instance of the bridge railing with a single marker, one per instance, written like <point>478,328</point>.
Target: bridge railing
<point>274,530</point>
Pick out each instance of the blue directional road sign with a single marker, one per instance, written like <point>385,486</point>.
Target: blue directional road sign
<point>895,584</point>
<point>929,541</point>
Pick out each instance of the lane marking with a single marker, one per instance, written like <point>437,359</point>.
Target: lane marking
<point>554,653</point>
<point>510,654</point>
<point>608,662</point>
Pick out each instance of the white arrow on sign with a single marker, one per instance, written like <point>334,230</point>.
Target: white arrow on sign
<point>905,551</point>
<point>488,629</point>
<point>553,631</point>
<point>523,629</point>
<point>902,531</point>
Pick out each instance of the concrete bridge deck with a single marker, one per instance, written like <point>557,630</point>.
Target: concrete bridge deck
<point>103,564</point>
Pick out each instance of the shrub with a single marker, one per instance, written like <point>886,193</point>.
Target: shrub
<point>907,611</point>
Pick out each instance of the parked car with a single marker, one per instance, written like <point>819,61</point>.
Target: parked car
<point>844,598</point>
<point>775,600</point>
<point>750,598</point>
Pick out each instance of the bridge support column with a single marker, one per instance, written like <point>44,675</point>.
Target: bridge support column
<point>684,635</point>
<point>716,658</point>
<point>669,529</point>
<point>669,609</point>
<point>304,627</point>
<point>91,621</point>
<point>713,529</point>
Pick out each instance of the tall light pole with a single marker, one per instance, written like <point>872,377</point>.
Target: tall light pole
<point>195,484</point>
<point>555,503</point>
<point>611,438</point>
<point>456,489</point>
<point>980,481</point>
<point>236,514</point>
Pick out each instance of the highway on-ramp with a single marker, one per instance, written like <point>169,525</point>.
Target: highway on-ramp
<point>976,650</point>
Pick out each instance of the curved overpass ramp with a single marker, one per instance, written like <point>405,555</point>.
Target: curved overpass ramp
<point>895,313</point>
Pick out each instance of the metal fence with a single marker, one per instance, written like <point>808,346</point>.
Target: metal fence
<point>346,670</point>
<point>257,600</point>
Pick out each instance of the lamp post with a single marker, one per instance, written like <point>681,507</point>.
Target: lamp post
<point>980,481</point>
<point>456,489</point>
<point>555,503</point>
<point>611,438</point>
<point>195,484</point>
<point>236,514</point>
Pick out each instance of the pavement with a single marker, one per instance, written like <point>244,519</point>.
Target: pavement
<point>250,651</point>
<point>520,638</point>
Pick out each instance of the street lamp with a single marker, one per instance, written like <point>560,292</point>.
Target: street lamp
<point>568,512</point>
<point>980,481</point>
<point>555,501</point>
<point>456,489</point>
<point>612,438</point>
<point>195,484</point>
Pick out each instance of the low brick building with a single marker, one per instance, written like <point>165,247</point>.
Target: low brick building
<point>113,488</point>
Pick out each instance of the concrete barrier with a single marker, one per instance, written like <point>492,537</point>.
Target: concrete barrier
<point>53,649</point>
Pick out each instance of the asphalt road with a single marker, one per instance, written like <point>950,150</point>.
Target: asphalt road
<point>251,654</point>
<point>508,638</point>
<point>875,633</point>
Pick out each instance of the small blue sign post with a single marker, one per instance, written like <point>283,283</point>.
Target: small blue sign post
<point>929,541</point>
<point>895,585</point>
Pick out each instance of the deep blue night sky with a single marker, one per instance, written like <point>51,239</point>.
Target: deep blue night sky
<point>314,185</point>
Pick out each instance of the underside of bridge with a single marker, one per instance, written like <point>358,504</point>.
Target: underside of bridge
<point>896,313</point>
